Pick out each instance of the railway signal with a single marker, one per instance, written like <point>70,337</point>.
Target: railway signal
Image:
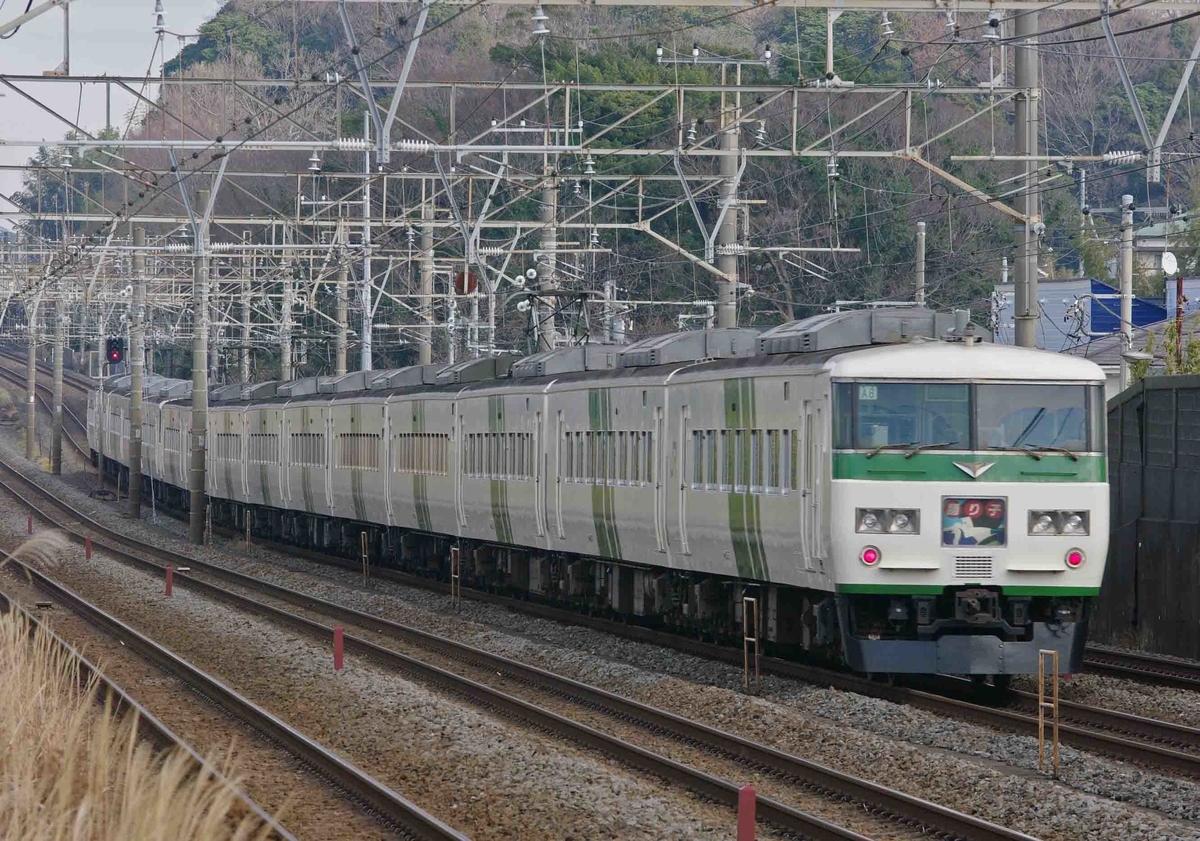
<point>115,353</point>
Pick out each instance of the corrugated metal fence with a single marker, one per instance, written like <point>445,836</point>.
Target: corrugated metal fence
<point>1151,592</point>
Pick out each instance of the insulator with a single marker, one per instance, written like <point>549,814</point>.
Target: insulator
<point>733,249</point>
<point>351,144</point>
<point>413,146</point>
<point>1123,156</point>
<point>491,251</point>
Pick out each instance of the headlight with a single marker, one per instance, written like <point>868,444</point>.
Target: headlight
<point>1059,522</point>
<point>887,520</point>
<point>870,521</point>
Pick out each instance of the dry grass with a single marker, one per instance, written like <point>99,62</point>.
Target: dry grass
<point>71,770</point>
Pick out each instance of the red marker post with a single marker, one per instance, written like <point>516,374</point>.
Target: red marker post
<point>747,800</point>
<point>87,548</point>
<point>338,647</point>
<point>170,580</point>
<point>30,523</point>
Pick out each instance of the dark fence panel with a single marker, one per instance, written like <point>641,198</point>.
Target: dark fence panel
<point>1151,592</point>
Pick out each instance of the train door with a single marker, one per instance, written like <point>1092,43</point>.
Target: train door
<point>806,453</point>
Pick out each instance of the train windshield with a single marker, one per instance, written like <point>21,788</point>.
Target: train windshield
<point>963,416</point>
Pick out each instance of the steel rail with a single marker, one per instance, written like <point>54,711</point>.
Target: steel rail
<point>360,785</point>
<point>781,764</point>
<point>149,726</point>
<point>11,376</point>
<point>1004,719</point>
<point>1150,729</point>
<point>1149,668</point>
<point>699,782</point>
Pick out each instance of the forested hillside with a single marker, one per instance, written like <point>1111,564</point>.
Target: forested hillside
<point>871,204</point>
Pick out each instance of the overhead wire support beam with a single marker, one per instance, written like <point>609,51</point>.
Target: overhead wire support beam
<point>1126,82</point>
<point>364,79</point>
<point>35,12</point>
<point>405,69</point>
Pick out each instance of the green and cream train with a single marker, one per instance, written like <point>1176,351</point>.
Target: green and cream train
<point>887,488</point>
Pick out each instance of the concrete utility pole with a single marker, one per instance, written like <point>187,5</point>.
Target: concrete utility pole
<point>343,284</point>
<point>1027,310</point>
<point>727,234</point>
<point>364,294</point>
<point>31,388</point>
<point>425,292</point>
<point>248,281</point>
<point>200,323</point>
<point>1126,286</point>
<point>56,420</point>
<point>285,326</point>
<point>137,368</point>
<point>548,243</point>
<point>920,295</point>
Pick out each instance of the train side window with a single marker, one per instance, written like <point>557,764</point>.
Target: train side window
<point>741,461</point>
<point>697,460</point>
<point>727,461</point>
<point>774,461</point>
<point>843,411</point>
<point>712,464</point>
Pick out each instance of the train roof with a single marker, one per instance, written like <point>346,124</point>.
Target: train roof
<point>888,343</point>
<point>940,360</point>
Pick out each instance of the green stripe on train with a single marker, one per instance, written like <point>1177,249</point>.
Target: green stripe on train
<point>604,509</point>
<point>745,512</point>
<point>420,481</point>
<point>936,589</point>
<point>940,467</point>
<point>499,487</point>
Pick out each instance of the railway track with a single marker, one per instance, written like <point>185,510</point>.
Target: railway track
<point>1148,668</point>
<point>893,810</point>
<point>1162,744</point>
<point>395,810</point>
<point>149,726</point>
<point>1149,742</point>
<point>74,430</point>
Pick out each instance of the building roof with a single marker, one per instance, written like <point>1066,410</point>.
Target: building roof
<point>1162,229</point>
<point>1106,352</point>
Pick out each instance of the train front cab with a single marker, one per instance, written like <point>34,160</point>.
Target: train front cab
<point>968,559</point>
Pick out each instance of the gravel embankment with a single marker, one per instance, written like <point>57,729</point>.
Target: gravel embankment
<point>305,804</point>
<point>490,779</point>
<point>1166,703</point>
<point>987,773</point>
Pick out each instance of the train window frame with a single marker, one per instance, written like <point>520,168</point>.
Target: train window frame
<point>698,451</point>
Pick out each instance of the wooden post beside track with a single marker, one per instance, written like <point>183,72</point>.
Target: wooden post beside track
<point>455,578</point>
<point>366,565</point>
<point>1045,656</point>
<point>750,639</point>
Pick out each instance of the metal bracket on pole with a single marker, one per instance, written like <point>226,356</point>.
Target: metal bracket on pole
<point>401,82</point>
<point>38,11</point>
<point>1127,83</point>
<point>1156,150</point>
<point>687,191</point>
<point>364,79</point>
<point>710,246</point>
<point>216,186</point>
<point>187,202</point>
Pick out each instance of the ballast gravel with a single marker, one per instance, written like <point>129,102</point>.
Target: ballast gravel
<point>961,765</point>
<point>1166,703</point>
<point>487,777</point>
